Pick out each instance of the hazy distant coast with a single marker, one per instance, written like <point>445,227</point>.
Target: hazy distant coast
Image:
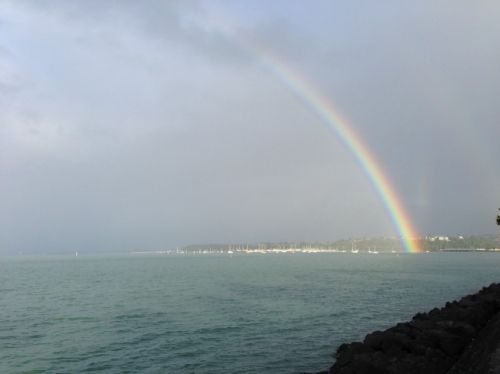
<point>437,243</point>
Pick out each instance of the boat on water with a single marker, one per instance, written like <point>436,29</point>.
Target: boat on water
<point>353,248</point>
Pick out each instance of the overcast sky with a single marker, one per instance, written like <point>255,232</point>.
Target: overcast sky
<point>146,125</point>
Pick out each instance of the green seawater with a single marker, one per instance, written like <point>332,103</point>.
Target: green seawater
<point>214,314</point>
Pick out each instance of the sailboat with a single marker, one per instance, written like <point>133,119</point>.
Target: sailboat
<point>352,248</point>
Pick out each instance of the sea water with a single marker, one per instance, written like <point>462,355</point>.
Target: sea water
<point>214,314</point>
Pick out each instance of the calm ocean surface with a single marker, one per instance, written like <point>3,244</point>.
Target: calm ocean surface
<point>214,314</point>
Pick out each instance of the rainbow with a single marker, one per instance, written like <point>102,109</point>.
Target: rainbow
<point>320,104</point>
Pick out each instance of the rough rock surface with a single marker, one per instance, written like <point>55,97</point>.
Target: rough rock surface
<point>482,356</point>
<point>461,338</point>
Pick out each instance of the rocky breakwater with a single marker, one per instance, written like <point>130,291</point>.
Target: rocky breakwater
<point>462,337</point>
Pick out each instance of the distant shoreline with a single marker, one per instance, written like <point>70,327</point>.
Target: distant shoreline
<point>308,251</point>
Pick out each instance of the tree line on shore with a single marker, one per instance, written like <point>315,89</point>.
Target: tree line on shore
<point>429,243</point>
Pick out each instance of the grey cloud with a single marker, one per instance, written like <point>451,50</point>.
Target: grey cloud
<point>179,22</point>
<point>419,83</point>
<point>145,127</point>
<point>10,80</point>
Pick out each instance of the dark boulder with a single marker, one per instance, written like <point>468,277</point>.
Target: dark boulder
<point>431,343</point>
